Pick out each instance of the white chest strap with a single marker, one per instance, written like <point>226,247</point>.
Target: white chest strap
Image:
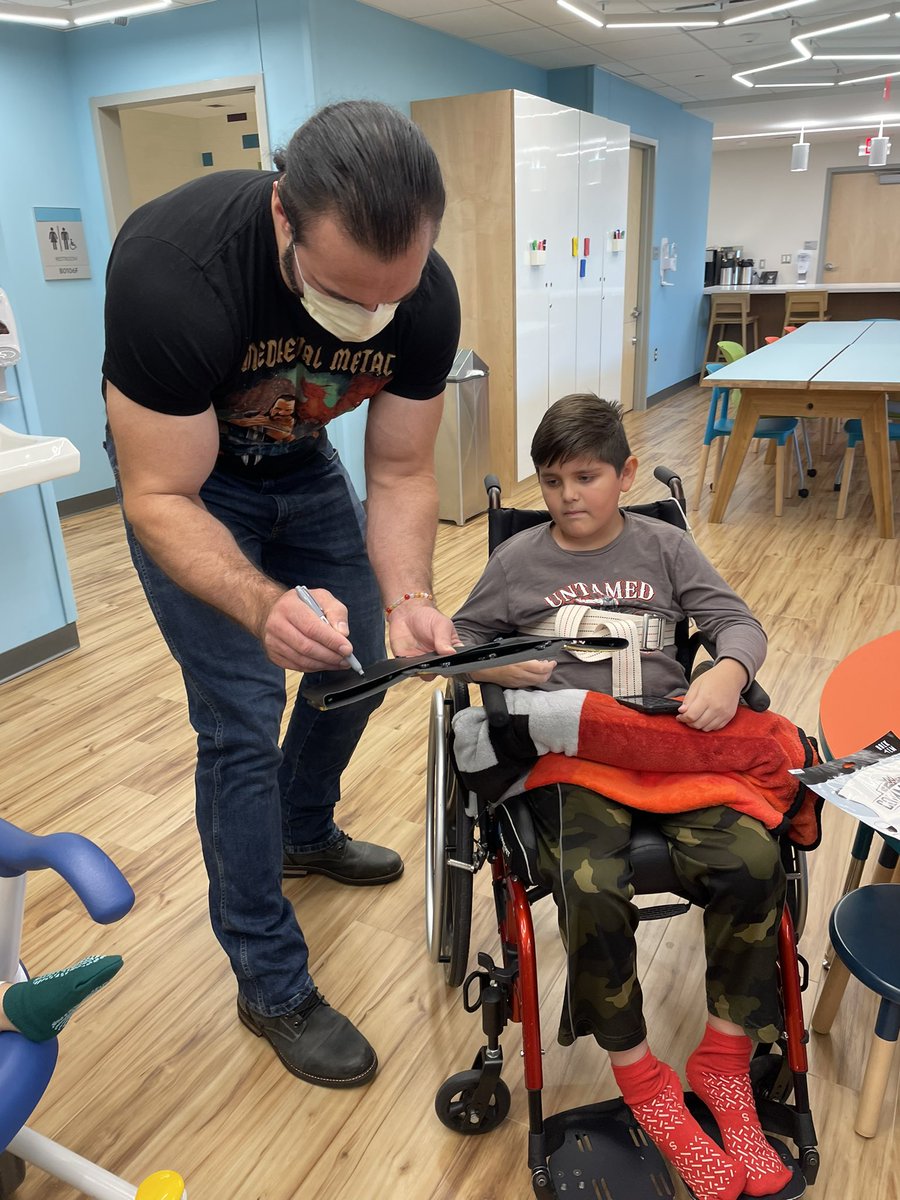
<point>642,631</point>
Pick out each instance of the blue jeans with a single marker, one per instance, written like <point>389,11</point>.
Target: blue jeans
<point>256,798</point>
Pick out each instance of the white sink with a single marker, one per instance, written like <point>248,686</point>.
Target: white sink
<point>25,460</point>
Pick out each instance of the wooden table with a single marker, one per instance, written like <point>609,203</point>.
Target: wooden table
<point>824,369</point>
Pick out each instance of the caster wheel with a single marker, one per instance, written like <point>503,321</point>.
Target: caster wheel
<point>803,492</point>
<point>771,1078</point>
<point>454,1096</point>
<point>811,472</point>
<point>837,487</point>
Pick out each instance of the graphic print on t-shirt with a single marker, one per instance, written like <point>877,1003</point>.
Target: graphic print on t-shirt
<point>289,402</point>
<point>605,594</point>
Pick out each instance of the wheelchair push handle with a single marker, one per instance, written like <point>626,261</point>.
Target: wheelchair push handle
<point>671,480</point>
<point>492,487</point>
<point>93,876</point>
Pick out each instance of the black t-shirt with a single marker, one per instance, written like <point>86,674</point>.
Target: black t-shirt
<point>197,313</point>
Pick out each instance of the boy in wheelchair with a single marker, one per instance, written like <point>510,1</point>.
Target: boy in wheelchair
<point>588,558</point>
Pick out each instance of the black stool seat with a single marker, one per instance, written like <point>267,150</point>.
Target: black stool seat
<point>865,932</point>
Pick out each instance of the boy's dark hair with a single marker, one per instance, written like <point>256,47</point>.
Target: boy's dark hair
<point>370,168</point>
<point>581,425</point>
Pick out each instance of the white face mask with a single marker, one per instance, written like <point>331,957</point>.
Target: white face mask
<point>348,321</point>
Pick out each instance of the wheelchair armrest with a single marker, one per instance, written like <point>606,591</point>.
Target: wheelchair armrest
<point>494,702</point>
<point>92,875</point>
<point>753,695</point>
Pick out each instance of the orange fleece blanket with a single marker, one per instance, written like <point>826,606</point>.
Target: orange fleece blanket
<point>647,762</point>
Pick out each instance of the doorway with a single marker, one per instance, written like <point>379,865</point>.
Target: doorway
<point>150,142</point>
<point>863,250</point>
<point>637,275</point>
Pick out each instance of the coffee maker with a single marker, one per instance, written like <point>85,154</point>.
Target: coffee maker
<point>721,265</point>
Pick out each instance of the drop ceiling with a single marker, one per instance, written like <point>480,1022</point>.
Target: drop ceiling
<point>694,67</point>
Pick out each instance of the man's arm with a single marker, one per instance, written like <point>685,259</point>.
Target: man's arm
<point>402,508</point>
<point>163,463</point>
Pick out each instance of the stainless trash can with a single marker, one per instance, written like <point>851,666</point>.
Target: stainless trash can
<point>462,450</point>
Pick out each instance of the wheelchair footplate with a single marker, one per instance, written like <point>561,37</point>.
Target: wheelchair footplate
<point>601,1152</point>
<point>795,1187</point>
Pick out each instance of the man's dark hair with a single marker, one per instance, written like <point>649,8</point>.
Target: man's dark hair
<point>368,167</point>
<point>581,426</point>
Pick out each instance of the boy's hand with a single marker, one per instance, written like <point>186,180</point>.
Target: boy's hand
<point>712,699</point>
<point>533,673</point>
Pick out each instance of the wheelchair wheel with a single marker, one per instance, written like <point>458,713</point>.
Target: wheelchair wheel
<point>449,839</point>
<point>454,1097</point>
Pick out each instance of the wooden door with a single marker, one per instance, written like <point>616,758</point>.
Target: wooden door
<point>630,334</point>
<point>862,244</point>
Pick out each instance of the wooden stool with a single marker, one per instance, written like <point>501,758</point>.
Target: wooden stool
<point>727,310</point>
<point>801,307</point>
<point>865,933</point>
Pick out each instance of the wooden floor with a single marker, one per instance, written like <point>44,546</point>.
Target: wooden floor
<point>156,1071</point>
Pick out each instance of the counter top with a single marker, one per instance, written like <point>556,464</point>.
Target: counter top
<point>779,289</point>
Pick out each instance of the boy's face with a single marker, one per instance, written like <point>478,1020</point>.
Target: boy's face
<point>582,496</point>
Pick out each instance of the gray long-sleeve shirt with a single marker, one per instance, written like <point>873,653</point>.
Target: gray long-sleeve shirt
<point>650,565</point>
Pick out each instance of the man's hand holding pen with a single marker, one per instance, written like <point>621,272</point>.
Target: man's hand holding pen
<point>298,638</point>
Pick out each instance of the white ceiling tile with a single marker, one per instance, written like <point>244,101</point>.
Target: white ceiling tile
<point>773,33</point>
<point>676,62</point>
<point>637,45</point>
<point>477,22</point>
<point>543,12</point>
<point>410,9</point>
<point>527,41</point>
<point>578,56</point>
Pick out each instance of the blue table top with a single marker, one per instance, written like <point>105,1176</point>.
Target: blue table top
<point>822,353</point>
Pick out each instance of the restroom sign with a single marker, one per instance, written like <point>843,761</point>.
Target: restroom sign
<point>60,235</point>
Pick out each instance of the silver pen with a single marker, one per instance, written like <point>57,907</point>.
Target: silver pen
<point>311,603</point>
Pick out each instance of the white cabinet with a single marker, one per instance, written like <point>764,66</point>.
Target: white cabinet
<point>535,191</point>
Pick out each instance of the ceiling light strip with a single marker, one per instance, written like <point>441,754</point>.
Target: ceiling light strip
<point>804,53</point>
<point>654,22</point>
<point>768,10</point>
<point>20,18</point>
<point>579,12</point>
<point>784,133</point>
<point>135,10</point>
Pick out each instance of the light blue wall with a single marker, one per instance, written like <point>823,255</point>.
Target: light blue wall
<point>680,203</point>
<point>39,167</point>
<point>310,52</point>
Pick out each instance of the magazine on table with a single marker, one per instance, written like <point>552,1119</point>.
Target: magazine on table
<point>865,784</point>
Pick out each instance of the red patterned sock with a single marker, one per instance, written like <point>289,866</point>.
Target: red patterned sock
<point>719,1072</point>
<point>652,1092</point>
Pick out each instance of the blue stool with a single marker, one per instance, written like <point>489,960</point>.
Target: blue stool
<point>865,933</point>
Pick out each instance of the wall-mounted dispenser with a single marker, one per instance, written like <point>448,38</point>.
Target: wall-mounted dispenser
<point>668,261</point>
<point>9,343</point>
<point>26,458</point>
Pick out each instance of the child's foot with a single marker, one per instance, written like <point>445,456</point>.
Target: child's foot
<point>39,1008</point>
<point>652,1092</point>
<point>719,1072</point>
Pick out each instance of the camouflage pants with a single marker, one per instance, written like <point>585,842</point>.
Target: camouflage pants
<point>732,859</point>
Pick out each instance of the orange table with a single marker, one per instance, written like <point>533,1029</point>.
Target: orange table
<point>860,702</point>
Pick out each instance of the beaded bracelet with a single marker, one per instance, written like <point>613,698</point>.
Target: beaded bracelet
<point>407,596</point>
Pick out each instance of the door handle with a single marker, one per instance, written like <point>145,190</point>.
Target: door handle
<point>829,266</point>
<point>635,312</point>
<point>634,341</point>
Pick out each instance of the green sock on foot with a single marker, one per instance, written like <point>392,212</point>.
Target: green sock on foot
<point>40,1007</point>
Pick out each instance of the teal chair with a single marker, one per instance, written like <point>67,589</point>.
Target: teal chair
<point>853,430</point>
<point>719,425</point>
